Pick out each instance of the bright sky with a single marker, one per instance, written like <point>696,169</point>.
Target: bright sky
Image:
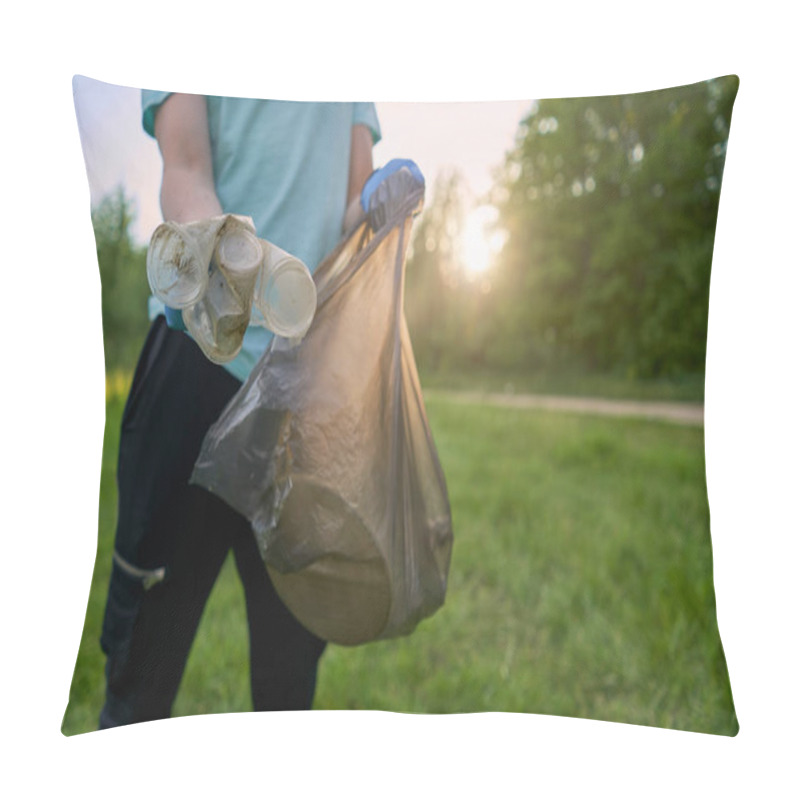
<point>470,136</point>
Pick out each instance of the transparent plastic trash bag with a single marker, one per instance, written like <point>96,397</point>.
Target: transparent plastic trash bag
<point>327,450</point>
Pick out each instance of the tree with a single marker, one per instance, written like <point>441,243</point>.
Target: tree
<point>432,276</point>
<point>610,205</point>
<point>124,280</point>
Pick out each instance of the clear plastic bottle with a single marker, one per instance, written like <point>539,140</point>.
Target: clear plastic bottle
<point>285,293</point>
<point>220,318</point>
<point>178,259</point>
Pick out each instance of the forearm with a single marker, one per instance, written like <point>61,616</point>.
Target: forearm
<point>187,187</point>
<point>360,170</point>
<point>360,160</point>
<point>186,195</point>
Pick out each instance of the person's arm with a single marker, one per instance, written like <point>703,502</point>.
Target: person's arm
<point>360,170</point>
<point>187,187</point>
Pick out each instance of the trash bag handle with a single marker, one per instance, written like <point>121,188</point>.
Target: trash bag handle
<point>331,275</point>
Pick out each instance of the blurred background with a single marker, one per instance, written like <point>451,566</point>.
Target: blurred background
<point>563,240</point>
<point>591,253</point>
<point>564,251</point>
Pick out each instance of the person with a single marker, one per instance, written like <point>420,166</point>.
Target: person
<point>297,170</point>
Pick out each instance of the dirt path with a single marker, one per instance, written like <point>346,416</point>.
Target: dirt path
<point>680,413</point>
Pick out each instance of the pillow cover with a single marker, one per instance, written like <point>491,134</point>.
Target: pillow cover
<point>557,311</point>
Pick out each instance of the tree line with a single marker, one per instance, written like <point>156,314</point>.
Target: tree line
<point>123,279</point>
<point>609,208</point>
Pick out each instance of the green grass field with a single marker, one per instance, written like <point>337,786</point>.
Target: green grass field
<point>580,585</point>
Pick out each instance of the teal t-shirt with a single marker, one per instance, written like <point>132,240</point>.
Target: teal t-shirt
<point>286,165</point>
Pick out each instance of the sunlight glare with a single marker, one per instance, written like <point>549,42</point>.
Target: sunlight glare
<point>480,245</point>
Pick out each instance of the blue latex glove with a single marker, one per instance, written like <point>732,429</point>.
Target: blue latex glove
<point>174,318</point>
<point>389,186</point>
<point>381,174</point>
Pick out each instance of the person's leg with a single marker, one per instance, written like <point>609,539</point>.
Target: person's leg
<point>147,658</point>
<point>167,552</point>
<point>283,654</point>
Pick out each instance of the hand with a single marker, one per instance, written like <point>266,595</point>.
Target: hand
<point>397,187</point>
<point>380,175</point>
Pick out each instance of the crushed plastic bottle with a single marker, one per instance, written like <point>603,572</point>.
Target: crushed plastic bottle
<point>218,321</point>
<point>223,278</point>
<point>178,259</point>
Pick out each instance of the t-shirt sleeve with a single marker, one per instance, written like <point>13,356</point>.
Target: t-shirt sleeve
<point>365,114</point>
<point>151,101</point>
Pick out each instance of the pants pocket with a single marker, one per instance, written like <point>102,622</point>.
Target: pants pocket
<point>148,577</point>
<point>126,591</point>
<point>153,344</point>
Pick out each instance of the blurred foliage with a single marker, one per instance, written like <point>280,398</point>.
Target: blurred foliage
<point>124,281</point>
<point>609,205</point>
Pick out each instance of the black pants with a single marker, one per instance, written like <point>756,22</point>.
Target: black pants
<point>172,540</point>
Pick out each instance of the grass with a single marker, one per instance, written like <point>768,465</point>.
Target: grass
<point>580,585</point>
